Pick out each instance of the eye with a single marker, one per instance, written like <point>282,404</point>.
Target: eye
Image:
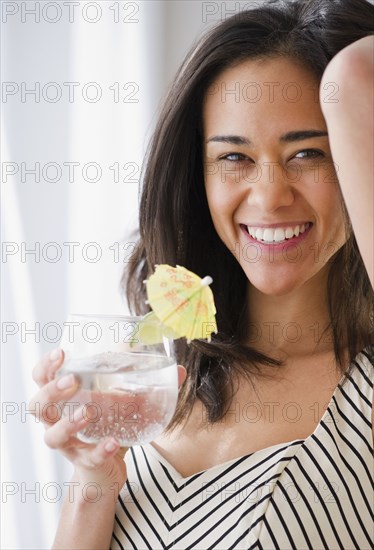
<point>310,154</point>
<point>234,157</point>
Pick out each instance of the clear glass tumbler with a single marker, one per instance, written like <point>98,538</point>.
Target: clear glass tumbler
<point>128,389</point>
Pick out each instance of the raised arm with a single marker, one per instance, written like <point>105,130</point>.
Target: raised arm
<point>350,122</point>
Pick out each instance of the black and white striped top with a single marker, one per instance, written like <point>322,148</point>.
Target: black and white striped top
<point>309,493</point>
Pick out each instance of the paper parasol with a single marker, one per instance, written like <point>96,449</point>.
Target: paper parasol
<point>151,330</point>
<point>182,301</point>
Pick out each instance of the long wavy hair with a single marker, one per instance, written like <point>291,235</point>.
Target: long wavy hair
<point>175,222</point>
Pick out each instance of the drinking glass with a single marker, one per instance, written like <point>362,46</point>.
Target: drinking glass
<point>128,388</point>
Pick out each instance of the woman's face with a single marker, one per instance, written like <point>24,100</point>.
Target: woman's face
<point>269,176</point>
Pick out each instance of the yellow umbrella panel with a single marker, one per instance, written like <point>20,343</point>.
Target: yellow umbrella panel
<point>182,301</point>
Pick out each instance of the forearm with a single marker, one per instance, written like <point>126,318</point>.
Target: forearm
<point>87,518</point>
<point>350,122</point>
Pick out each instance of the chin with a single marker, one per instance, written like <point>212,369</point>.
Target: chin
<point>272,290</point>
<point>277,282</point>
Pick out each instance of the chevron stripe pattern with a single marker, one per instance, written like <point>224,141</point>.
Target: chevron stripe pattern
<point>313,493</point>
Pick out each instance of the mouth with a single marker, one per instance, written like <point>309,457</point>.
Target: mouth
<point>276,235</point>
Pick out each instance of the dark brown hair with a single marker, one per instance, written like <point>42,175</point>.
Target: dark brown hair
<point>175,223</point>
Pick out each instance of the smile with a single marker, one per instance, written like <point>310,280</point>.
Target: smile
<point>276,235</point>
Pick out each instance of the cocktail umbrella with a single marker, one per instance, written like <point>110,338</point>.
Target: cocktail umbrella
<point>182,301</point>
<point>151,330</point>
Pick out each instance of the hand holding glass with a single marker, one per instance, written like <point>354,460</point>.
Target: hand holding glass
<point>128,389</point>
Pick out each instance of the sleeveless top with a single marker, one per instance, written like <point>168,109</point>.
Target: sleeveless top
<point>309,493</point>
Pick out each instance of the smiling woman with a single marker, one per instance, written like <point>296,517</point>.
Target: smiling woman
<point>271,445</point>
<point>242,143</point>
<point>271,188</point>
<point>241,183</point>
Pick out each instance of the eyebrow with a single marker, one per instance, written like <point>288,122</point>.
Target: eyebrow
<point>290,137</point>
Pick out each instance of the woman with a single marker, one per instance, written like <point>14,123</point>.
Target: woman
<point>260,140</point>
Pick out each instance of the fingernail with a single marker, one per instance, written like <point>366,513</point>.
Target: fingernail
<point>55,354</point>
<point>110,446</point>
<point>65,382</point>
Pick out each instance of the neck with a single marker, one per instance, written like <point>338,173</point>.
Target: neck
<point>291,325</point>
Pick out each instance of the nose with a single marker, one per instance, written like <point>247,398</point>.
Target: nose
<point>272,189</point>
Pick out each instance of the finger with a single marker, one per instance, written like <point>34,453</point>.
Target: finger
<point>46,405</point>
<point>47,367</point>
<point>61,434</point>
<point>105,448</point>
<point>182,375</point>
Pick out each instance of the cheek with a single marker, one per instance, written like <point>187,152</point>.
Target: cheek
<point>220,202</point>
<point>221,206</point>
<point>222,196</point>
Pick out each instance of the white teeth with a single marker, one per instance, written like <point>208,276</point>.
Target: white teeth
<point>276,234</point>
<point>259,233</point>
<point>289,233</point>
<point>268,235</point>
<point>279,235</point>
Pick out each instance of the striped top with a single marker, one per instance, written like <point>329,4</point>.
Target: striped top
<point>310,493</point>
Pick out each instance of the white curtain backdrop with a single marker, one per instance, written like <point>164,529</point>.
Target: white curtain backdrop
<point>81,86</point>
